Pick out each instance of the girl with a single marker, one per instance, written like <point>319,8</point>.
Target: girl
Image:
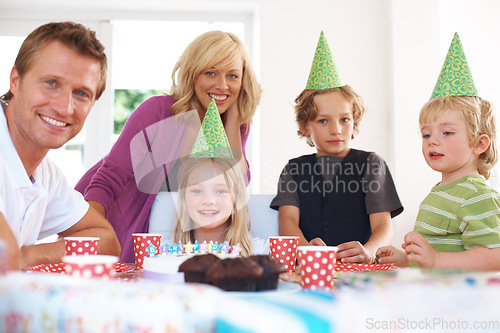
<point>212,205</point>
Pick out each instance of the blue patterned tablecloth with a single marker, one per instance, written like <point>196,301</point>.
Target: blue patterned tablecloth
<point>402,301</point>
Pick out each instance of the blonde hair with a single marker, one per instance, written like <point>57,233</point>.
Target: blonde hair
<point>239,220</point>
<point>208,50</point>
<point>479,117</point>
<point>306,110</point>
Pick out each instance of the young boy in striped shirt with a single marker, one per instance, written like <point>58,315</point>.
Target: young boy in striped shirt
<point>458,223</point>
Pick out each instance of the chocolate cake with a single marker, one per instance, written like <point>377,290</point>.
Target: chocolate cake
<point>195,268</point>
<point>272,269</point>
<point>237,274</point>
<point>255,273</point>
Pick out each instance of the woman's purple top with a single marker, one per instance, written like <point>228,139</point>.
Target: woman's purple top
<point>127,180</point>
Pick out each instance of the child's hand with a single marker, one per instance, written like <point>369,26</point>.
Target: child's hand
<point>423,253</point>
<point>317,242</point>
<point>353,252</point>
<point>391,255</point>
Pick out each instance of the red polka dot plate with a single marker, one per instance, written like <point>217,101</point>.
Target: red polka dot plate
<point>342,267</point>
<point>46,268</point>
<point>59,268</point>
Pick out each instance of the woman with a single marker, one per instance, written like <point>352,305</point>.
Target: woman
<point>215,65</point>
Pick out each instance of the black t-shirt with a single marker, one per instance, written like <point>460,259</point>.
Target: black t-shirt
<point>381,194</point>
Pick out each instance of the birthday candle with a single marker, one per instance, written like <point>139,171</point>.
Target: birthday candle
<point>203,247</point>
<point>236,249</point>
<point>215,248</point>
<point>188,248</point>
<point>164,249</point>
<point>225,247</point>
<point>175,248</point>
<point>196,247</point>
<point>151,249</point>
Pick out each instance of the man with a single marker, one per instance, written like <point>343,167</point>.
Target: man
<point>58,75</point>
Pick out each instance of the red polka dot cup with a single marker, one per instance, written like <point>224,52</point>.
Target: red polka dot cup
<point>81,245</point>
<point>145,245</point>
<point>284,249</point>
<point>317,266</point>
<point>98,266</point>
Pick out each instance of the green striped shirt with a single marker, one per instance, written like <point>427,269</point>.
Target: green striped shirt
<point>461,215</point>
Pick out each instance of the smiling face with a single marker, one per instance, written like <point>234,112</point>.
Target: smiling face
<point>208,197</point>
<point>332,129</point>
<point>223,84</point>
<point>447,147</point>
<point>52,99</point>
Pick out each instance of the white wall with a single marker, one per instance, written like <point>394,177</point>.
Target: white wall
<point>416,58</point>
<point>389,51</point>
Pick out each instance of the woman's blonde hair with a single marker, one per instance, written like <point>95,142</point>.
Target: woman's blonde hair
<point>239,220</point>
<point>479,117</point>
<point>306,110</point>
<point>206,51</point>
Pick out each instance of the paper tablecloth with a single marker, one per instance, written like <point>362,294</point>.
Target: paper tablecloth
<point>40,302</point>
<point>393,301</point>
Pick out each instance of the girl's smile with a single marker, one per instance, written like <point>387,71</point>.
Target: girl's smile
<point>209,199</point>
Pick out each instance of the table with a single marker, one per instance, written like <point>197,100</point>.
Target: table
<point>402,300</point>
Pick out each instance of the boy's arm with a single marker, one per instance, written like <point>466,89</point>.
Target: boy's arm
<point>288,218</point>
<point>355,252</point>
<point>7,236</point>
<point>479,258</point>
<point>91,224</point>
<point>381,226</point>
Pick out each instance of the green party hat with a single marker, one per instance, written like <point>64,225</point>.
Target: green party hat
<point>211,140</point>
<point>324,73</point>
<point>455,78</point>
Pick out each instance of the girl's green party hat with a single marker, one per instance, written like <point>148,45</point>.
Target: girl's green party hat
<point>455,78</point>
<point>324,73</point>
<point>211,140</point>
